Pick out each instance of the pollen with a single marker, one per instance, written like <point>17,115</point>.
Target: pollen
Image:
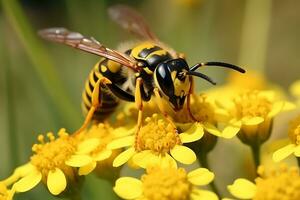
<point>166,183</point>
<point>294,130</point>
<point>53,153</point>
<point>252,104</point>
<point>201,108</point>
<point>283,184</point>
<point>157,135</point>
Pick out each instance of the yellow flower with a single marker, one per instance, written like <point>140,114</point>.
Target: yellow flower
<point>209,115</point>
<point>165,183</point>
<point>155,141</point>
<point>94,144</point>
<point>54,162</point>
<point>5,193</point>
<point>294,146</point>
<point>283,184</point>
<point>238,83</point>
<point>254,111</point>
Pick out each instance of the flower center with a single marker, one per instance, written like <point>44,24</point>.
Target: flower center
<point>294,130</point>
<point>53,154</point>
<point>157,135</point>
<point>252,104</point>
<point>166,183</point>
<point>280,184</point>
<point>201,109</point>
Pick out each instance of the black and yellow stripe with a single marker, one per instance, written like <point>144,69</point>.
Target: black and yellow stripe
<point>150,53</point>
<point>109,101</point>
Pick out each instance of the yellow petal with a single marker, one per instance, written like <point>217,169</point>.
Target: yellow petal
<point>28,182</point>
<point>203,195</point>
<point>212,129</point>
<point>297,151</point>
<point>284,152</point>
<point>85,170</point>
<point>102,155</point>
<point>56,181</point>
<point>243,189</point>
<point>79,160</point>
<point>128,188</point>
<point>288,106</point>
<point>231,130</point>
<point>124,131</point>
<point>24,169</point>
<point>145,158</point>
<point>183,154</point>
<point>194,133</point>
<point>123,157</point>
<point>295,88</point>
<point>227,199</point>
<point>250,121</point>
<point>276,108</point>
<point>201,176</point>
<point>121,142</point>
<point>87,146</point>
<point>19,172</point>
<point>167,161</point>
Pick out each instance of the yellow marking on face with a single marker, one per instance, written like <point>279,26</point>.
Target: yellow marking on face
<point>145,45</point>
<point>148,71</point>
<point>114,67</point>
<point>103,68</point>
<point>179,85</point>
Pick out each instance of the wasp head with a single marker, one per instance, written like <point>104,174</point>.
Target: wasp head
<point>170,77</point>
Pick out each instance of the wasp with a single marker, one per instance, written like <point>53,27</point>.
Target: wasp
<point>150,68</point>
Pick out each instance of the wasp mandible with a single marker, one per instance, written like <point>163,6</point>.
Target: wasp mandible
<point>149,68</point>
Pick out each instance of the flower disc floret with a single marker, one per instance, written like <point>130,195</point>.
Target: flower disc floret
<point>164,184</point>
<point>282,183</point>
<point>156,135</point>
<point>202,109</point>
<point>252,104</point>
<point>53,154</point>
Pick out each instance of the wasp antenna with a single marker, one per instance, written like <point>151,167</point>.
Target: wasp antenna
<point>218,64</point>
<point>198,74</point>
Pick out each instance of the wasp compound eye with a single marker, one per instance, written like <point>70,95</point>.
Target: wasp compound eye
<point>164,79</point>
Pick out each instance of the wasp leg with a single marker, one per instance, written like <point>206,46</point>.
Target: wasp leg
<point>162,110</point>
<point>188,103</point>
<point>139,104</point>
<point>96,102</point>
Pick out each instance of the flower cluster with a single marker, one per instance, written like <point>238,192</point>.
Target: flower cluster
<point>167,158</point>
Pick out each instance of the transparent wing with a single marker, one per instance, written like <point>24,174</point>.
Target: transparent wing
<point>78,41</point>
<point>132,21</point>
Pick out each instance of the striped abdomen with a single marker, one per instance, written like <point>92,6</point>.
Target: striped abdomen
<point>109,101</point>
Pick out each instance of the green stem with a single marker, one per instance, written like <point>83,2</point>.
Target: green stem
<point>41,62</point>
<point>255,149</point>
<point>203,161</point>
<point>12,132</point>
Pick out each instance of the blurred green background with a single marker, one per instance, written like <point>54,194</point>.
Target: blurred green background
<point>41,82</point>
